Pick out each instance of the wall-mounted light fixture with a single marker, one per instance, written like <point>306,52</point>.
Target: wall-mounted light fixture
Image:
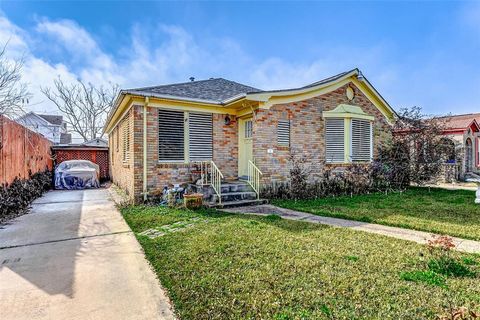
<point>227,120</point>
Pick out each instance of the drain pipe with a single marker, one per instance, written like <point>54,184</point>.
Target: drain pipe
<point>145,105</point>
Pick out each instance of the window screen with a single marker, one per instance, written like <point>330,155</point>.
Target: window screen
<point>171,125</point>
<point>200,136</point>
<point>334,140</point>
<point>248,129</point>
<point>361,140</point>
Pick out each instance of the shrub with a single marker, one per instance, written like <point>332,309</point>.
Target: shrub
<point>17,196</point>
<point>442,262</point>
<point>352,180</point>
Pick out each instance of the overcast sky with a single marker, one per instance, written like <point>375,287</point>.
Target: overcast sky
<point>425,54</point>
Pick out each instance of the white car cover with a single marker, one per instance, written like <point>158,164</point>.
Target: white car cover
<point>77,174</point>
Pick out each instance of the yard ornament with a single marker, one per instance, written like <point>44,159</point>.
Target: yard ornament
<point>473,177</point>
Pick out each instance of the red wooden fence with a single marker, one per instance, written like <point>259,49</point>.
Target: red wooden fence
<point>22,151</point>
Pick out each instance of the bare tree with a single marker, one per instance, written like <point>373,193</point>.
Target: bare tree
<point>13,92</point>
<point>84,106</point>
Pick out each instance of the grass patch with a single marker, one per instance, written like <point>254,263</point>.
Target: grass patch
<point>450,267</point>
<point>451,212</point>
<point>428,277</point>
<point>248,267</point>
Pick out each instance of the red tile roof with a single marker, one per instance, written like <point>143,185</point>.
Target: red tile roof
<point>462,121</point>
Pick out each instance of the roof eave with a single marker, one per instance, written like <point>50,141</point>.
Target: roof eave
<point>171,97</point>
<point>288,92</point>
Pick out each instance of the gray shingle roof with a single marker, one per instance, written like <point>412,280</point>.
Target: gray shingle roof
<point>53,119</point>
<point>217,89</point>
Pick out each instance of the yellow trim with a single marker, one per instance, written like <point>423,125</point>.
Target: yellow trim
<point>242,145</point>
<point>347,135</point>
<point>269,99</point>
<point>379,102</point>
<point>186,137</point>
<point>348,111</point>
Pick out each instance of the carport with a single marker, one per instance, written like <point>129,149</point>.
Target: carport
<point>95,150</point>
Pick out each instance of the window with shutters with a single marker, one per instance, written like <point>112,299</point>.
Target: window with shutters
<point>171,137</point>
<point>283,133</point>
<point>200,136</point>
<point>348,134</point>
<point>335,140</point>
<point>184,136</point>
<point>361,144</point>
<point>126,139</point>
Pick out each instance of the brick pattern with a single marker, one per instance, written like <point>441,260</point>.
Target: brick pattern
<point>306,133</point>
<point>121,172</point>
<point>225,145</point>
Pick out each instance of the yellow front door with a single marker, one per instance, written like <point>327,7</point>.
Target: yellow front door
<point>245,150</point>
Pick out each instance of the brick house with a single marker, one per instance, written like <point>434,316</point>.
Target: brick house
<point>215,132</point>
<point>463,133</point>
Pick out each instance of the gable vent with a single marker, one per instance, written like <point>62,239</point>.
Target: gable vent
<point>283,133</point>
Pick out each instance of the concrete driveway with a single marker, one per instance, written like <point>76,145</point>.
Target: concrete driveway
<point>74,257</point>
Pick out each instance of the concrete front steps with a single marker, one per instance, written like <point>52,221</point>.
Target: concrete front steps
<point>235,193</point>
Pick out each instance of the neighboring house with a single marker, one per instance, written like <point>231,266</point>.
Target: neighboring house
<point>463,131</point>
<point>160,135</point>
<point>51,127</point>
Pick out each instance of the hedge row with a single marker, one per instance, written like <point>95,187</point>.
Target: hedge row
<point>17,196</point>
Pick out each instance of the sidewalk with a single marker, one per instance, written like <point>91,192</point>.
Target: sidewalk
<point>421,237</point>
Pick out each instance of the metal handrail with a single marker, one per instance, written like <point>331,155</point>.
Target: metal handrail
<point>216,177</point>
<point>254,175</point>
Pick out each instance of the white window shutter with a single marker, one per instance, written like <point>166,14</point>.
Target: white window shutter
<point>171,126</point>
<point>361,140</point>
<point>283,133</point>
<point>334,140</point>
<point>200,136</point>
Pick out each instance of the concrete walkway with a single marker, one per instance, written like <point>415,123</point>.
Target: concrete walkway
<point>74,257</point>
<point>463,245</point>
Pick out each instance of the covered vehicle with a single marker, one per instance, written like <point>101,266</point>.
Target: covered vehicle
<point>77,174</point>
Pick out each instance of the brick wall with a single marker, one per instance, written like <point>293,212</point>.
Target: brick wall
<point>306,132</point>
<point>130,176</point>
<point>121,172</point>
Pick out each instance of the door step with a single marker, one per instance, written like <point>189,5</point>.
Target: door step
<point>240,203</point>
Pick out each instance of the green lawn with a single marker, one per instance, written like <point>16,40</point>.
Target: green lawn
<point>220,266</point>
<point>451,212</point>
